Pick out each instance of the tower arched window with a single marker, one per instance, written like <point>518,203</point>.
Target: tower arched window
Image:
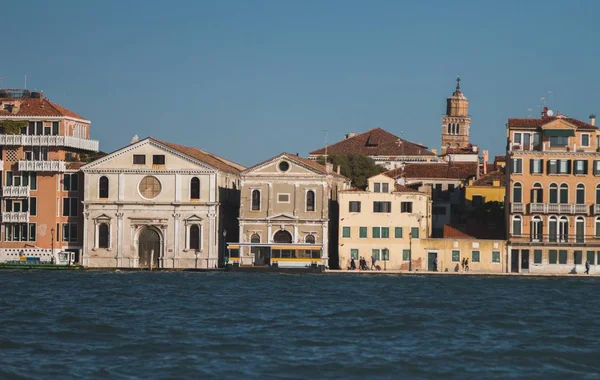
<point>449,128</point>
<point>255,200</point>
<point>195,188</point>
<point>103,187</point>
<point>552,228</point>
<point>309,239</point>
<point>310,200</point>
<point>458,128</point>
<point>580,194</point>
<point>579,229</point>
<point>103,235</point>
<point>536,228</point>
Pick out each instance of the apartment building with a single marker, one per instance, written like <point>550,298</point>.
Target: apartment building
<point>42,145</point>
<point>553,195</point>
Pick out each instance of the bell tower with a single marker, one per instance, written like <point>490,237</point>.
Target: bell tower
<point>456,122</point>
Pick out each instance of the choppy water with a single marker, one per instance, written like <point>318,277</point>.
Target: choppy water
<point>225,325</point>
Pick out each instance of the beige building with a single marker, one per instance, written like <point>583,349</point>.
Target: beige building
<point>159,204</point>
<point>288,211</point>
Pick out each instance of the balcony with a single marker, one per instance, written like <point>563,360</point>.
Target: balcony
<point>550,240</point>
<point>596,209</point>
<point>15,191</point>
<point>582,209</point>
<point>537,208</point>
<point>15,217</point>
<point>42,166</point>
<point>516,207</point>
<point>64,141</point>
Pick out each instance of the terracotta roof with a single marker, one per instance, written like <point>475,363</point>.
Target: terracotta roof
<point>453,232</point>
<point>474,229</point>
<point>375,142</point>
<point>38,107</point>
<point>488,179</point>
<point>404,189</point>
<point>203,156</point>
<point>536,123</point>
<point>459,170</point>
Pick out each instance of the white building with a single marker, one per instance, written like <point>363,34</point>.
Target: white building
<point>160,204</point>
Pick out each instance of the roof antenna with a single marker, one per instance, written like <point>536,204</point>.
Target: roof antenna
<point>25,82</point>
<point>326,157</point>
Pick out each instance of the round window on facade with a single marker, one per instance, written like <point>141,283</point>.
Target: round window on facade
<point>284,166</point>
<point>150,187</point>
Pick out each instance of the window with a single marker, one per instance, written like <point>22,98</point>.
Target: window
<point>563,229</point>
<point>536,166</point>
<point>552,256</point>
<point>537,256</point>
<point>552,166</point>
<point>578,257</point>
<point>375,254</point>
<point>376,232</point>
<point>517,138</point>
<point>517,193</point>
<point>354,254</point>
<point>580,167</point>
<point>596,167</point>
<point>564,193</point>
<point>475,256</point>
<point>254,239</point>
<point>579,230</point>
<point>537,193</point>
<point>362,232</point>
<point>597,229</point>
<point>517,165</point>
<point>194,237</point>
<point>385,232</point>
<point>562,256</point>
<point>139,159</point>
<point>553,193</point>
<point>385,254</point>
<point>345,232</point>
<point>382,206</point>
<point>598,194</point>
<point>559,141</point>
<point>564,166</point>
<point>552,229</point>
<point>377,187</point>
<point>55,128</point>
<point>354,206</point>
<point>103,238</point>
<point>590,257</point>
<point>516,225</point>
<point>580,194</point>
<point>495,257</point>
<point>385,187</point>
<point>284,166</point>
<point>310,200</point>
<point>149,187</point>
<point>450,187</point>
<point>536,228</point>
<point>585,139</point>
<point>310,239</point>
<point>456,256</point>
<point>32,231</point>
<point>103,187</point>
<point>255,200</point>
<point>69,232</point>
<point>70,206</point>
<point>283,198</point>
<point>71,182</point>
<point>33,206</point>
<point>406,207</point>
<point>158,159</point>
<point>414,232</point>
<point>195,188</point>
<point>398,232</point>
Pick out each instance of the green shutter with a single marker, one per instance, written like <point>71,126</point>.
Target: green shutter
<point>455,256</point>
<point>590,257</point>
<point>376,233</point>
<point>406,254</point>
<point>495,256</point>
<point>362,232</point>
<point>385,232</point>
<point>414,232</point>
<point>346,232</point>
<point>562,256</point>
<point>398,232</point>
<point>537,256</point>
<point>475,256</point>
<point>552,256</point>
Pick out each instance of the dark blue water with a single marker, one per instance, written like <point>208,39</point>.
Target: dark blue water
<point>224,325</point>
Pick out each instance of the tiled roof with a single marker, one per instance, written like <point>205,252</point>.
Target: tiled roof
<point>203,156</point>
<point>474,229</point>
<point>38,107</point>
<point>536,123</point>
<point>375,142</point>
<point>488,179</point>
<point>458,170</point>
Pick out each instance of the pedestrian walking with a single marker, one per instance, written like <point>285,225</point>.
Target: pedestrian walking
<point>587,267</point>
<point>467,264</point>
<point>373,261</point>
<point>462,264</point>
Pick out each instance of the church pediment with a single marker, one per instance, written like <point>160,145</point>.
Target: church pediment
<point>282,218</point>
<point>559,124</point>
<point>102,218</point>
<point>193,219</point>
<point>285,165</point>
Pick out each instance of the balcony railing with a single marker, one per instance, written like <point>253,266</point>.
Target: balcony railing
<point>560,208</point>
<point>66,141</point>
<point>582,209</point>
<point>1,165</point>
<point>15,217</point>
<point>15,191</point>
<point>554,239</point>
<point>42,166</point>
<point>516,207</point>
<point>537,208</point>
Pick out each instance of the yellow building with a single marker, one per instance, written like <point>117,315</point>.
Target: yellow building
<point>489,188</point>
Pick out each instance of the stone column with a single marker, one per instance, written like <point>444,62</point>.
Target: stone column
<point>295,199</point>
<point>176,239</point>
<point>296,238</point>
<point>95,234</point>
<point>269,233</point>
<point>325,253</point>
<point>119,216</point>
<point>86,226</point>
<point>212,232</point>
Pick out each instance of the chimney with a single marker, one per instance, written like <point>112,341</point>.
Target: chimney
<point>339,168</point>
<point>593,119</point>
<point>349,135</point>
<point>328,167</point>
<point>297,155</point>
<point>486,157</point>
<point>545,112</point>
<point>434,151</point>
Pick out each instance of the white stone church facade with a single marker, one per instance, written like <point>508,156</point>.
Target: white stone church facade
<point>160,205</point>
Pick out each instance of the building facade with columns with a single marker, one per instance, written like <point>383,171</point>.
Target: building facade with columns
<point>160,205</point>
<point>287,213</point>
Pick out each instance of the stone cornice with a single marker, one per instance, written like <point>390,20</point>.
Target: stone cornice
<point>147,171</point>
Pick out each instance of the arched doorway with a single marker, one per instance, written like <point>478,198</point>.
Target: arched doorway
<point>148,248</point>
<point>282,236</point>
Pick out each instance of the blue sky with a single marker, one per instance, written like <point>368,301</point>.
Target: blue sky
<point>250,79</point>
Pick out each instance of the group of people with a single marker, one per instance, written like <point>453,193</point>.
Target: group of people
<point>363,265</point>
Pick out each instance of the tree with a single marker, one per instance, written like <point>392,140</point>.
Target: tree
<point>356,167</point>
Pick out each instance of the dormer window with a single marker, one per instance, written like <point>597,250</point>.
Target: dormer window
<point>9,107</point>
<point>379,187</point>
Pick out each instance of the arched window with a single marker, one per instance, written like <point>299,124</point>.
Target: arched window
<point>103,186</point>
<point>564,193</point>
<point>309,239</point>
<point>563,229</point>
<point>597,194</point>
<point>255,238</point>
<point>103,235</point>
<point>449,128</point>
<point>458,129</point>
<point>597,225</point>
<point>536,228</point>
<point>194,237</point>
<point>552,228</point>
<point>537,193</point>
<point>553,193</point>
<point>579,229</point>
<point>282,236</point>
<point>580,194</point>
<point>255,200</point>
<point>516,225</point>
<point>310,200</point>
<point>195,188</point>
<point>517,193</point>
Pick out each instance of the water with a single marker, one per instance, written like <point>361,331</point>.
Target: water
<point>226,325</point>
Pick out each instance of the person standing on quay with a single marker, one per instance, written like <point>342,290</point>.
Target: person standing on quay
<point>587,267</point>
<point>462,264</point>
<point>466,264</point>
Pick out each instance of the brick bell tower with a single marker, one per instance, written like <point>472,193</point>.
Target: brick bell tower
<point>456,123</point>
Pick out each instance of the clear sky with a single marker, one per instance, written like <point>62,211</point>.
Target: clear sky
<point>250,79</point>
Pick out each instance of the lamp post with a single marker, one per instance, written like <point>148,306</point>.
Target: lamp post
<point>224,242</point>
<point>410,251</point>
<point>52,243</point>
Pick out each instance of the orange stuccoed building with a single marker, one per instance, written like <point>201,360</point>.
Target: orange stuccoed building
<point>42,147</point>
